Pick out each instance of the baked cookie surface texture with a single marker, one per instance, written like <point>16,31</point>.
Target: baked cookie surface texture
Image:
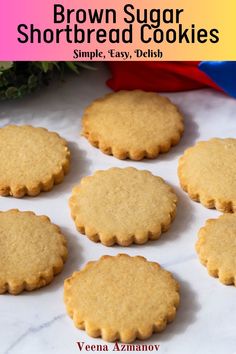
<point>32,251</point>
<point>207,173</point>
<point>216,248</point>
<point>123,206</point>
<point>121,298</point>
<point>31,160</point>
<point>133,124</point>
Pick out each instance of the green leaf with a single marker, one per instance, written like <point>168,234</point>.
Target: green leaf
<point>72,66</point>
<point>5,65</point>
<point>3,80</point>
<point>32,81</point>
<point>23,90</point>
<point>45,66</point>
<point>12,92</point>
<point>86,66</point>
<point>55,63</point>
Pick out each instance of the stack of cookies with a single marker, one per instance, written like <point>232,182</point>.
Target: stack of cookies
<point>135,297</point>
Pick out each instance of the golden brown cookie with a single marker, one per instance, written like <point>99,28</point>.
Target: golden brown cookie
<point>207,173</point>
<point>31,160</point>
<point>121,298</point>
<point>32,251</point>
<point>216,248</point>
<point>123,206</point>
<point>133,124</point>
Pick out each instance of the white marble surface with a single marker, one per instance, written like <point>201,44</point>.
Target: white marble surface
<point>36,322</point>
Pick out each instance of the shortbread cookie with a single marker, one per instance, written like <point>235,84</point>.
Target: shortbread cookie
<point>133,124</point>
<point>32,251</point>
<point>31,160</point>
<point>207,173</point>
<point>216,248</point>
<point>121,298</point>
<point>122,206</point>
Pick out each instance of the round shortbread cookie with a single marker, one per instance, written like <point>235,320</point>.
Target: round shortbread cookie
<point>133,124</point>
<point>207,173</point>
<point>31,160</point>
<point>216,248</point>
<point>123,206</point>
<point>121,298</point>
<point>32,251</point>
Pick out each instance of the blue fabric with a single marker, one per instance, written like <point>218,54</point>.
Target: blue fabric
<point>223,73</point>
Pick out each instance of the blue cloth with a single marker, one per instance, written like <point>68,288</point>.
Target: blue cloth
<point>223,73</point>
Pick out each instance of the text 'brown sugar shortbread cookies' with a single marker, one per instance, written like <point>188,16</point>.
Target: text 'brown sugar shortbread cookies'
<point>32,251</point>
<point>121,298</point>
<point>216,248</point>
<point>31,160</point>
<point>133,124</point>
<point>122,206</point>
<point>207,173</point>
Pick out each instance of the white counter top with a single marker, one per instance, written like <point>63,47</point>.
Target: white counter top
<point>36,322</point>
